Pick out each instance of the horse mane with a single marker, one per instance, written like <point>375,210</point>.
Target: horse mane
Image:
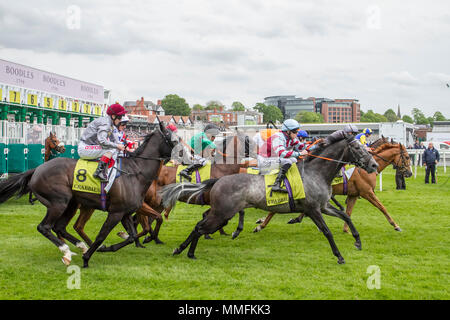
<point>141,148</point>
<point>385,146</point>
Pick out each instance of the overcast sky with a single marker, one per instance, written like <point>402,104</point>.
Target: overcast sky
<point>383,53</point>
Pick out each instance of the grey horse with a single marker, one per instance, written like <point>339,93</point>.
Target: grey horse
<point>234,193</point>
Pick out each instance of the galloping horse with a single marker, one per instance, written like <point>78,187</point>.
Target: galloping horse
<point>226,162</point>
<point>52,182</point>
<point>53,147</point>
<point>362,183</point>
<point>231,194</point>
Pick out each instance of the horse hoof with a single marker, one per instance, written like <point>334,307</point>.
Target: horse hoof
<point>341,261</point>
<point>140,246</point>
<point>234,235</point>
<point>176,251</point>
<point>157,241</point>
<point>208,237</point>
<point>292,221</point>
<point>257,229</point>
<point>147,240</point>
<point>66,261</point>
<point>358,245</point>
<point>123,235</point>
<point>398,229</point>
<point>191,256</point>
<point>225,234</point>
<point>259,221</point>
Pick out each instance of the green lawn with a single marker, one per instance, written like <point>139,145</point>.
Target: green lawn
<point>281,262</point>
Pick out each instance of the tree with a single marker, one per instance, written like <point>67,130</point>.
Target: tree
<point>408,119</point>
<point>390,115</point>
<point>175,105</point>
<point>371,116</point>
<point>309,117</point>
<point>237,106</point>
<point>438,116</point>
<point>419,117</point>
<point>210,105</point>
<point>270,113</point>
<point>198,107</point>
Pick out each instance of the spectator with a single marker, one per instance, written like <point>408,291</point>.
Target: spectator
<point>430,160</point>
<point>399,179</point>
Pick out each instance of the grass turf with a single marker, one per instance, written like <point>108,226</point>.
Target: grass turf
<point>281,262</point>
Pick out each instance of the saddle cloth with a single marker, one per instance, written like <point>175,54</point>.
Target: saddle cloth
<point>199,175</point>
<point>347,171</point>
<point>84,181</point>
<point>293,183</point>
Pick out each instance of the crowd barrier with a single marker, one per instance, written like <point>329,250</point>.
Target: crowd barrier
<point>22,145</point>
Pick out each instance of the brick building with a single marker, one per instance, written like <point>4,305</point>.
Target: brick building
<point>144,108</point>
<point>332,110</point>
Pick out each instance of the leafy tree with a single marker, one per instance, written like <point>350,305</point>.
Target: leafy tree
<point>408,119</point>
<point>419,117</point>
<point>175,105</point>
<point>371,116</point>
<point>438,116</point>
<point>309,117</point>
<point>390,115</point>
<point>237,106</point>
<point>270,113</point>
<point>431,121</point>
<point>198,107</point>
<point>210,105</point>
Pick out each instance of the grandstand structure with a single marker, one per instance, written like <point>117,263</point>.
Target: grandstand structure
<point>35,102</point>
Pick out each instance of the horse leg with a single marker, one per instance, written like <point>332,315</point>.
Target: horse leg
<point>337,203</point>
<point>265,222</point>
<point>127,222</point>
<point>372,198</point>
<point>316,216</point>
<point>332,211</point>
<point>240,226</point>
<point>208,225</point>
<point>61,225</point>
<point>46,226</point>
<point>297,220</point>
<point>111,221</point>
<point>188,240</point>
<point>350,205</point>
<point>83,218</point>
<point>154,215</point>
<point>31,200</point>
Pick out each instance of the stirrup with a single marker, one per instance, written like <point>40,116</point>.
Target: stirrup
<point>184,175</point>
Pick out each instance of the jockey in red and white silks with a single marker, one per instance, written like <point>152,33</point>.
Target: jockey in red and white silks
<point>282,150</point>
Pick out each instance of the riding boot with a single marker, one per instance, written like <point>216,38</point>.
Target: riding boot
<point>101,172</point>
<point>276,187</point>
<point>186,173</point>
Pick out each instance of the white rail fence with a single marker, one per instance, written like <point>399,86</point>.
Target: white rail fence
<point>416,161</point>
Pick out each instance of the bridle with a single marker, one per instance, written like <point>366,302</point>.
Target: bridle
<point>167,141</point>
<point>401,160</point>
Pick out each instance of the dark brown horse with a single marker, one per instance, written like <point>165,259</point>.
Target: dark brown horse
<point>52,182</point>
<point>53,147</point>
<point>227,161</point>
<point>362,184</point>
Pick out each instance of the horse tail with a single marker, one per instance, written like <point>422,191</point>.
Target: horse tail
<point>172,192</point>
<point>15,185</point>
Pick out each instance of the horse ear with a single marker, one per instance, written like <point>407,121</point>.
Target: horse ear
<point>162,127</point>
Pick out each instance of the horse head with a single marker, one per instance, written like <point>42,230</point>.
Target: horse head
<point>53,143</point>
<point>359,156</point>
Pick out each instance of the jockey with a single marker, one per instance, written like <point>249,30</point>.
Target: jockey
<point>282,148</point>
<point>363,135</point>
<point>302,135</point>
<point>99,141</point>
<point>119,132</point>
<point>198,144</point>
<point>340,134</point>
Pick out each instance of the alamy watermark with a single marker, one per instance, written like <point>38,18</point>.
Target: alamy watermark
<point>374,280</point>
<point>73,17</point>
<point>74,280</point>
